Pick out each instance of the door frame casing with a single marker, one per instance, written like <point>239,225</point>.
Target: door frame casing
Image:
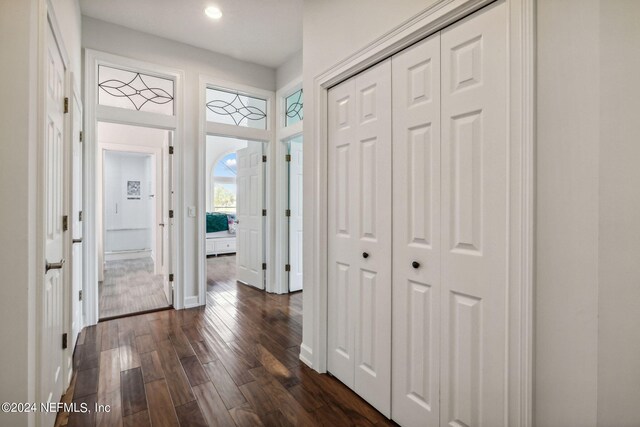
<point>283,135</point>
<point>95,113</point>
<point>520,28</point>
<point>230,131</point>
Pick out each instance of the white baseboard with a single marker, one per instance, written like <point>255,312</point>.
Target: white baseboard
<point>306,355</point>
<point>190,302</point>
<point>118,256</point>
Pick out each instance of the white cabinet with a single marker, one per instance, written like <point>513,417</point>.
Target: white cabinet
<point>220,245</point>
<point>418,223</point>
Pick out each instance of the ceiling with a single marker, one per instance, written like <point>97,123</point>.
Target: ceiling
<point>265,32</point>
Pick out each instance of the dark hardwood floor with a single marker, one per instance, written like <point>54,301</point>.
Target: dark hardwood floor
<point>233,363</point>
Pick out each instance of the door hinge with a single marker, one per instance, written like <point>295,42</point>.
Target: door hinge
<point>171,149</point>
<point>264,158</point>
<point>287,267</point>
<point>264,212</point>
<point>81,136</point>
<point>66,105</point>
<point>80,216</point>
<point>171,213</point>
<point>287,212</point>
<point>171,277</point>
<point>65,222</point>
<point>64,341</point>
<point>264,265</point>
<point>80,295</point>
<point>287,157</point>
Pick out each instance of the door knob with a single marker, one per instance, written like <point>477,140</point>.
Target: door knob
<point>415,264</point>
<point>365,255</point>
<point>53,265</point>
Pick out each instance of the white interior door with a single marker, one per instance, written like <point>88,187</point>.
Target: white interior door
<point>295,219</point>
<point>249,205</point>
<point>360,234</point>
<point>51,310</point>
<point>76,220</point>
<point>474,220</point>
<point>416,234</point>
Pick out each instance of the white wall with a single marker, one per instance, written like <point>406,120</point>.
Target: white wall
<point>289,71</point>
<point>19,28</point>
<point>567,214</point>
<point>193,61</point>
<point>128,221</point>
<point>332,30</point>
<point>619,216</point>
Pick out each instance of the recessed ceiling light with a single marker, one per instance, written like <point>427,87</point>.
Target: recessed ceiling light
<point>213,12</point>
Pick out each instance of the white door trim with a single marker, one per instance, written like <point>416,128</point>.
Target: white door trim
<point>95,113</point>
<point>283,135</point>
<point>521,93</point>
<point>263,135</point>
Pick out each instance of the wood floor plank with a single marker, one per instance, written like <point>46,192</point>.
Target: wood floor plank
<point>190,415</point>
<point>290,408</point>
<point>129,357</point>
<point>245,416</point>
<point>109,335</point>
<point>161,410</point>
<point>174,374</point>
<point>258,398</point>
<point>276,369</point>
<point>86,383</point>
<point>224,384</point>
<point>212,405</point>
<point>83,419</point>
<point>145,343</point>
<point>151,367</point>
<point>140,419</point>
<point>181,344</point>
<point>194,370</point>
<point>203,352</point>
<point>133,395</point>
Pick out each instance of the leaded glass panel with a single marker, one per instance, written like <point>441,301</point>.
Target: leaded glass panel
<point>236,109</point>
<point>135,91</point>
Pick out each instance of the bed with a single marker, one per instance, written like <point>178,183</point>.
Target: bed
<point>221,237</point>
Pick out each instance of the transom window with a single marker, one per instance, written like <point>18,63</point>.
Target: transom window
<point>294,108</point>
<point>236,109</point>
<point>135,91</point>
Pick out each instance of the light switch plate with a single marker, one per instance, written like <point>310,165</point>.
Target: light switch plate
<point>191,211</point>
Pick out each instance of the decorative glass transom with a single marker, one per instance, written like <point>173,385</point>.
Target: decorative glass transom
<point>294,108</point>
<point>236,109</point>
<point>135,91</point>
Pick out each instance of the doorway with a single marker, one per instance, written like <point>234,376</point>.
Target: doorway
<point>235,199</point>
<point>135,197</point>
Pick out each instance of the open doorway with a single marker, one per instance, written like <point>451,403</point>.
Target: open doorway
<point>134,220</point>
<point>235,200</point>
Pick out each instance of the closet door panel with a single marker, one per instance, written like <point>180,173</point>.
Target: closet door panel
<point>416,234</point>
<point>342,219</point>
<point>474,220</point>
<point>373,201</point>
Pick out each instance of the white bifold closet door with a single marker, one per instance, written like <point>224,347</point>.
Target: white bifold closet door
<point>416,234</point>
<point>429,211</point>
<point>360,234</point>
<point>450,217</point>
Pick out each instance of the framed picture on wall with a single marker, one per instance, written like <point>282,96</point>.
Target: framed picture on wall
<point>133,190</point>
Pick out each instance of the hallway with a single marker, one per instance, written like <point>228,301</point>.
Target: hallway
<point>130,287</point>
<point>234,362</point>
